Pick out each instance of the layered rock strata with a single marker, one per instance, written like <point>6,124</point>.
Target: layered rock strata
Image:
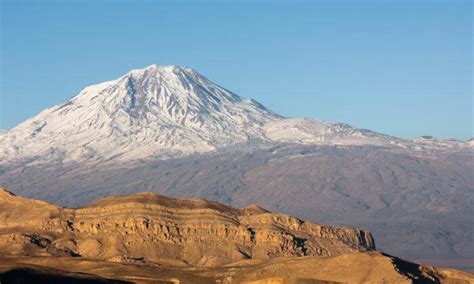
<point>146,227</point>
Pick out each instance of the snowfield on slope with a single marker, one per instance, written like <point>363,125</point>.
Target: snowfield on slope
<point>168,111</point>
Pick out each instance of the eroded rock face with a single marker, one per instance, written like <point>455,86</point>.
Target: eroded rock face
<point>147,227</point>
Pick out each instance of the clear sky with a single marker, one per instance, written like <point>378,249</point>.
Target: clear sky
<point>401,67</point>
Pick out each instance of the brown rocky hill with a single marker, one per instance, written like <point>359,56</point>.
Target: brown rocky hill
<point>146,227</point>
<point>148,238</point>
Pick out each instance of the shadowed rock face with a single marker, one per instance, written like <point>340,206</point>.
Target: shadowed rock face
<point>42,275</point>
<point>146,227</point>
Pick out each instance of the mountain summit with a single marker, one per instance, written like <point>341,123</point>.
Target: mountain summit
<point>163,111</point>
<point>145,111</point>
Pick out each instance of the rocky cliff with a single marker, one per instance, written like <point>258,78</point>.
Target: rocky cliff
<point>147,227</point>
<point>148,238</point>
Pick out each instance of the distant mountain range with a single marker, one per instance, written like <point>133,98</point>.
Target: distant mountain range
<point>171,130</point>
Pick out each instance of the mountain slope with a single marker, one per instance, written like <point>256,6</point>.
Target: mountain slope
<point>418,207</point>
<point>172,131</point>
<point>163,112</point>
<point>140,114</point>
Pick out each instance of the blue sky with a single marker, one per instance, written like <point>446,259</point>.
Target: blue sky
<point>403,68</point>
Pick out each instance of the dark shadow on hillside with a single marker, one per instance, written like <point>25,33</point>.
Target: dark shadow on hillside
<point>29,275</point>
<point>412,271</point>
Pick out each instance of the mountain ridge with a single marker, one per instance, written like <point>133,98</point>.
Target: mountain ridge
<point>151,238</point>
<point>166,112</point>
<point>152,227</point>
<point>170,108</point>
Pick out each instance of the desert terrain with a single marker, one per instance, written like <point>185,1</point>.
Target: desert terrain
<point>149,238</point>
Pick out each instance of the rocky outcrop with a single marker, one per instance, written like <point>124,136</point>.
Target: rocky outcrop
<point>146,227</point>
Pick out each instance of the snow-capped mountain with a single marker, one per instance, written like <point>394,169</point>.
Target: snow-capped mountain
<point>172,131</point>
<point>140,114</point>
<point>163,111</point>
